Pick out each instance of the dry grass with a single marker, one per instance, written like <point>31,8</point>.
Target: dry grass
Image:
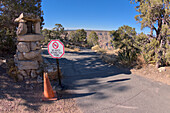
<point>97,49</point>
<point>108,56</point>
<point>77,49</point>
<point>112,52</point>
<point>72,50</point>
<point>110,59</point>
<point>140,62</point>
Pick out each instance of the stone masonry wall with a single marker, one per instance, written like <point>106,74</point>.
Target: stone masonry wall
<point>28,58</point>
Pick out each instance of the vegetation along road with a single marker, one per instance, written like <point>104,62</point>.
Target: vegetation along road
<point>101,88</point>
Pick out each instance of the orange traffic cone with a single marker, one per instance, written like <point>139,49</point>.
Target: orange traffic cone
<point>49,94</point>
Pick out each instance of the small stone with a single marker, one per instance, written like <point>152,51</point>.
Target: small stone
<point>27,77</point>
<point>2,61</point>
<point>23,47</point>
<point>35,45</point>
<point>32,54</point>
<point>20,77</point>
<point>16,60</point>
<point>23,73</point>
<point>20,56</point>
<point>27,81</point>
<point>25,65</point>
<point>37,27</point>
<point>39,59</point>
<point>33,74</point>
<point>39,79</point>
<point>38,71</point>
<point>22,29</point>
<point>28,71</point>
<point>161,69</point>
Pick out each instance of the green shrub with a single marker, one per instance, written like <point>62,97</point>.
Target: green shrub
<point>7,41</point>
<point>124,39</point>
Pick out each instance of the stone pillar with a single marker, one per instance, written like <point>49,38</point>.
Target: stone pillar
<point>28,58</point>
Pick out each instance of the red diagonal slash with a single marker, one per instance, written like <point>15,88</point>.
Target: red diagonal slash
<point>55,45</point>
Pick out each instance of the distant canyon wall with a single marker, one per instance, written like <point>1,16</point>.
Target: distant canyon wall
<point>104,38</point>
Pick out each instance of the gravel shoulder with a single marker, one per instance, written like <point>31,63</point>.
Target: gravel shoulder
<point>152,73</point>
<point>15,98</point>
<point>148,71</point>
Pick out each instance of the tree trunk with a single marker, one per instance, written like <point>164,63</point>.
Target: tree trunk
<point>159,48</point>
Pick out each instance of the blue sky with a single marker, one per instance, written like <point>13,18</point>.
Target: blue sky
<point>90,14</point>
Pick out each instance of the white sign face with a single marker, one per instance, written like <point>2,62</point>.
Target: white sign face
<point>56,49</point>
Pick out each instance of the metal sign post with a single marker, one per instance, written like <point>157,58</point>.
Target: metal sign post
<point>56,50</point>
<point>58,69</point>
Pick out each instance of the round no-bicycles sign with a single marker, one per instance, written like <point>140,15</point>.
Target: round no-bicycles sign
<point>56,48</point>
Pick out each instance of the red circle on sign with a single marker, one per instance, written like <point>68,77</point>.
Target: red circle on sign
<point>55,45</point>
<point>61,48</point>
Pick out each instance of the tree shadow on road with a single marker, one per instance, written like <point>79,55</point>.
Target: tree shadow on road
<point>86,69</point>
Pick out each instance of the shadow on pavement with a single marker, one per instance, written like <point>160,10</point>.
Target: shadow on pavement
<point>119,80</point>
<point>85,70</point>
<point>10,92</point>
<point>68,95</point>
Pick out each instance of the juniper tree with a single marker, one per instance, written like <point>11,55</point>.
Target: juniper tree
<point>9,11</point>
<point>154,14</point>
<point>124,39</point>
<point>92,39</point>
<point>73,37</point>
<point>57,31</point>
<point>47,35</point>
<point>81,35</point>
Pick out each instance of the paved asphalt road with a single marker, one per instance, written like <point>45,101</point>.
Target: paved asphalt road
<point>101,88</point>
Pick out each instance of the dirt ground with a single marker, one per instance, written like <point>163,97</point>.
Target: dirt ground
<point>15,98</point>
<point>149,71</point>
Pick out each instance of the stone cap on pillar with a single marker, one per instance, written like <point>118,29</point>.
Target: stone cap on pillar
<point>24,17</point>
<point>28,24</point>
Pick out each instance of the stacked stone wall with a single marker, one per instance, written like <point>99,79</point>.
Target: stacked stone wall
<point>28,58</point>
